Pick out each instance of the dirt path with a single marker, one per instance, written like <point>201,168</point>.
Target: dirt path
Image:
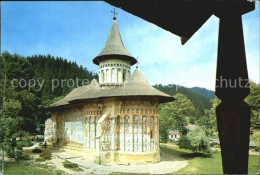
<point>169,163</point>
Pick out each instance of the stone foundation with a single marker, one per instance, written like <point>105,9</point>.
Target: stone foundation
<point>114,157</point>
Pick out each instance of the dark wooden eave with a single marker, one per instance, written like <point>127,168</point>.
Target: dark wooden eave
<point>180,17</point>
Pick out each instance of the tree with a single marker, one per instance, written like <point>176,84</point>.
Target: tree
<point>196,140</point>
<point>253,99</point>
<point>166,123</point>
<point>11,130</point>
<point>10,119</point>
<point>211,125</point>
<point>200,112</point>
<point>175,115</point>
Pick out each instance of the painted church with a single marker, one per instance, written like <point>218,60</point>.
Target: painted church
<point>114,120</point>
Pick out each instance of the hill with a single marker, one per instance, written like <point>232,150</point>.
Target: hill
<point>198,96</point>
<point>203,92</point>
<point>60,76</point>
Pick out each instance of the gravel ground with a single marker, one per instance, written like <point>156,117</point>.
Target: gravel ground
<point>169,163</point>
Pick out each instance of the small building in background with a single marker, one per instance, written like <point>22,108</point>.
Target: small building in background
<point>173,135</point>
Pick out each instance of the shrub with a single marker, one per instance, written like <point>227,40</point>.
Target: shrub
<point>68,164</point>
<point>36,150</point>
<point>184,142</point>
<point>196,140</point>
<point>46,155</point>
<point>39,159</point>
<point>28,144</point>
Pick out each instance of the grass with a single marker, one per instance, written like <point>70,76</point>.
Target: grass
<point>25,168</point>
<point>206,164</point>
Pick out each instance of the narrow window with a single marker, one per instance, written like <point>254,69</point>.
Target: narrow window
<point>102,76</point>
<point>124,76</point>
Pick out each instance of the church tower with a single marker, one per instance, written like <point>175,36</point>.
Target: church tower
<point>114,60</point>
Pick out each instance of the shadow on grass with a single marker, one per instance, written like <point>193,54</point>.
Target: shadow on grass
<point>186,154</point>
<point>123,173</point>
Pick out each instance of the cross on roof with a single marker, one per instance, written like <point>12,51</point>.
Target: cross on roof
<point>114,12</point>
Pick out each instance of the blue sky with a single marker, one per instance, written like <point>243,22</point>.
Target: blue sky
<point>78,31</point>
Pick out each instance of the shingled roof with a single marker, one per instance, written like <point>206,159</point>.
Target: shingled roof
<point>135,86</point>
<point>114,47</point>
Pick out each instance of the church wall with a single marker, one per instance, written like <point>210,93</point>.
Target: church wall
<point>50,130</point>
<point>74,126</point>
<point>139,129</point>
<point>128,134</point>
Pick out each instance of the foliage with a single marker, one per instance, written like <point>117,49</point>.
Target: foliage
<point>205,121</point>
<point>210,123</point>
<point>24,109</point>
<point>70,165</point>
<point>173,115</point>
<point>196,140</point>
<point>36,150</point>
<point>48,68</point>
<point>253,99</point>
<point>255,137</point>
<point>46,155</point>
<point>184,142</point>
<point>33,102</point>
<point>166,123</point>
<point>204,92</point>
<point>199,112</point>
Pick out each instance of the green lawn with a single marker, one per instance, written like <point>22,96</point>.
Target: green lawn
<point>197,164</point>
<point>201,164</point>
<point>26,168</point>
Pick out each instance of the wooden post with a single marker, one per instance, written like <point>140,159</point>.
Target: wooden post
<point>232,87</point>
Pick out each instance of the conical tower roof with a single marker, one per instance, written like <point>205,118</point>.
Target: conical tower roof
<point>114,47</point>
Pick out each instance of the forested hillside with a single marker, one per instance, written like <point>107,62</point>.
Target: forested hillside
<point>203,92</point>
<point>60,73</point>
<point>196,96</point>
<point>28,87</point>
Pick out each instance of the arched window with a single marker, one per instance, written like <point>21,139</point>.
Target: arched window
<point>124,75</point>
<point>113,75</point>
<point>102,76</point>
<point>107,76</point>
<point>118,120</point>
<point>117,75</point>
<point>126,119</point>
